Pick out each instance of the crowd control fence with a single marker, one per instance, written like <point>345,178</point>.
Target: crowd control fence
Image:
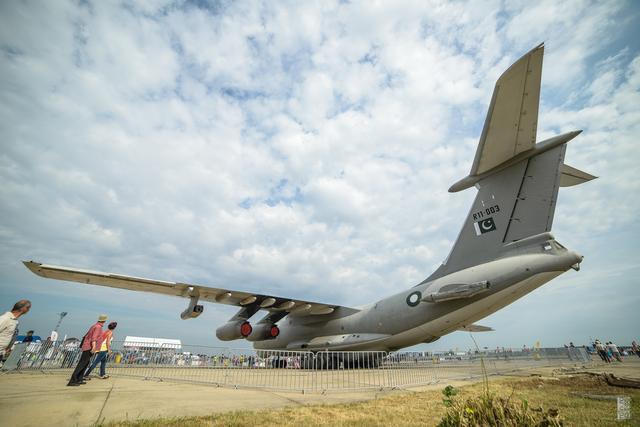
<point>303,371</point>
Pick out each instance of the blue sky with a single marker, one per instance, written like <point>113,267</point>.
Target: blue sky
<point>303,149</point>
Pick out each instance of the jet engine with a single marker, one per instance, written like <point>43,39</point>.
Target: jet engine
<point>234,330</point>
<point>264,331</point>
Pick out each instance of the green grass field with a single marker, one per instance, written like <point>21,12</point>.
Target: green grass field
<point>427,407</point>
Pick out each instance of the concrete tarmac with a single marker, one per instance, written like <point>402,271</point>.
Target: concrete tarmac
<point>36,399</point>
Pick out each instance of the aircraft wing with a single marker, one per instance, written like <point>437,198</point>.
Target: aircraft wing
<point>274,304</point>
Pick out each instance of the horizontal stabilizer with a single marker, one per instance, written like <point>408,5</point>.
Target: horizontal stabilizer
<point>572,176</point>
<point>476,328</point>
<point>539,148</point>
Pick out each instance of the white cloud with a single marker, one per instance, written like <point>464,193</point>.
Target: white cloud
<point>575,30</point>
<point>304,148</point>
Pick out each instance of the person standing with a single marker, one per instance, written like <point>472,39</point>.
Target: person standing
<point>103,354</point>
<point>29,337</point>
<point>9,325</point>
<point>614,351</point>
<point>89,346</point>
<point>602,352</point>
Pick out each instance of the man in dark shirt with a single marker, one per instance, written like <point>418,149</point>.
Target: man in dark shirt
<point>89,346</point>
<point>29,337</point>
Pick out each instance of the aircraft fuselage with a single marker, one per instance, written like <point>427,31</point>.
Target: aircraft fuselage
<point>404,319</point>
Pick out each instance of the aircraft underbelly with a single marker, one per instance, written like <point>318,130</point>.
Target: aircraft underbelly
<point>469,313</point>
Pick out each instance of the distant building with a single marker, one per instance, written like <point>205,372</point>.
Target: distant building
<point>145,343</point>
<point>71,343</point>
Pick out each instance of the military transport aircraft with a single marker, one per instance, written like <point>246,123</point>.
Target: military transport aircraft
<point>503,251</point>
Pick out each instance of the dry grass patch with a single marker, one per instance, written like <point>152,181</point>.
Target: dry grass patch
<point>563,393</point>
<point>427,407</point>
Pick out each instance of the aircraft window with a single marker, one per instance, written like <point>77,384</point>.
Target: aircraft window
<point>546,247</point>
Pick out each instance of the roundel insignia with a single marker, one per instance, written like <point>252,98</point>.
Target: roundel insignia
<point>414,298</point>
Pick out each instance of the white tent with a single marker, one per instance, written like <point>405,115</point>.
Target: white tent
<point>144,342</point>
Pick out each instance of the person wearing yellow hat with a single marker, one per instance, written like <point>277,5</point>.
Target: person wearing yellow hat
<point>89,346</point>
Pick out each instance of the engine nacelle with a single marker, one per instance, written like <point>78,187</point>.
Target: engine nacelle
<point>265,331</point>
<point>234,330</point>
<point>193,310</point>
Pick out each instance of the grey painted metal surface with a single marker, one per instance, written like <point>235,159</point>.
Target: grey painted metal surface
<point>512,120</point>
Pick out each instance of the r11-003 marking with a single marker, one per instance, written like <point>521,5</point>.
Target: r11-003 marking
<point>486,212</point>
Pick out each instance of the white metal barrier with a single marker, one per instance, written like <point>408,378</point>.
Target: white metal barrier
<point>303,371</point>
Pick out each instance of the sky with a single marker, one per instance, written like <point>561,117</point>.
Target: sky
<point>302,149</point>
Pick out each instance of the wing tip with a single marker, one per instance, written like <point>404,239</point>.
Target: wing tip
<point>32,265</point>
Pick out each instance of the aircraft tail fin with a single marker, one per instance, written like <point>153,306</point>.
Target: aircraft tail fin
<point>512,118</point>
<point>517,180</point>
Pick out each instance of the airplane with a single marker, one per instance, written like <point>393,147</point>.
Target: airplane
<point>504,250</point>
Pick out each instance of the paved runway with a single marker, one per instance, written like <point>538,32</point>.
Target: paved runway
<point>35,399</point>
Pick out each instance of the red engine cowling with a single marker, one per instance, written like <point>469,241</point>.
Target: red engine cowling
<point>264,332</point>
<point>234,330</point>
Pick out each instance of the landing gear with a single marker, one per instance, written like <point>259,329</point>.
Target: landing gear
<point>347,360</point>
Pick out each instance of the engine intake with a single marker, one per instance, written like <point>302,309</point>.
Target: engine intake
<point>265,331</point>
<point>234,330</point>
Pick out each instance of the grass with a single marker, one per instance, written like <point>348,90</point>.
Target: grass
<point>427,408</point>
